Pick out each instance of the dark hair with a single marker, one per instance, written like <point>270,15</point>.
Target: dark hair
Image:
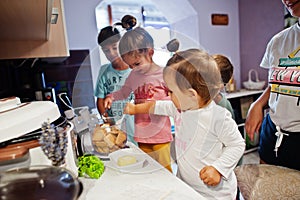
<point>137,40</point>
<point>127,22</point>
<point>108,35</point>
<point>173,45</point>
<point>225,67</point>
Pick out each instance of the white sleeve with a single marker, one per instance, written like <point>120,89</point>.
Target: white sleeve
<point>165,107</point>
<point>266,60</point>
<point>234,147</point>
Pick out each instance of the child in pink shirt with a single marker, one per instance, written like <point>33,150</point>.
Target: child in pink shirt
<point>152,132</point>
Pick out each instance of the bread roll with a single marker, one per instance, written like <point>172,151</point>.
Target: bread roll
<point>107,139</point>
<point>100,144</point>
<point>99,134</point>
<point>101,147</point>
<point>106,149</point>
<point>110,140</point>
<point>121,139</point>
<point>114,148</point>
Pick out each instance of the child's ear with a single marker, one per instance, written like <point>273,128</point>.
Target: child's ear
<point>192,93</point>
<point>151,52</point>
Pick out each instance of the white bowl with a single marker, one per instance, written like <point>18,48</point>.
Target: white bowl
<point>114,156</point>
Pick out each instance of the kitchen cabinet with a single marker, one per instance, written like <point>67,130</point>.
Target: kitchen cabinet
<point>27,32</point>
<point>240,102</point>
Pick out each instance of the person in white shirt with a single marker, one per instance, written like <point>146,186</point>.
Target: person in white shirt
<point>280,128</point>
<point>208,142</point>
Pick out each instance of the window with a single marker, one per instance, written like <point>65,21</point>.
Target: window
<point>109,12</point>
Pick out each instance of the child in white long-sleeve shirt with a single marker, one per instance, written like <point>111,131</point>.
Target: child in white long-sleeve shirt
<point>208,142</point>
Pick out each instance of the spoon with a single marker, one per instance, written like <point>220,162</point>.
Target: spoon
<point>119,121</point>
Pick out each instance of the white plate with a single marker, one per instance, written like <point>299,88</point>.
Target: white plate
<point>114,156</point>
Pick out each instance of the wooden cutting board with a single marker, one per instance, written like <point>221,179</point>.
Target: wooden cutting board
<point>15,151</point>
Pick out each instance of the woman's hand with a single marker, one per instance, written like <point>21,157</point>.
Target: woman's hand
<point>255,114</point>
<point>254,120</point>
<point>210,176</point>
<point>129,109</point>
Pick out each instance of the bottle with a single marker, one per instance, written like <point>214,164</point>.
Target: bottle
<point>233,85</point>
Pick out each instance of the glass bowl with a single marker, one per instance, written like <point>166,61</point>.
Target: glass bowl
<point>108,137</point>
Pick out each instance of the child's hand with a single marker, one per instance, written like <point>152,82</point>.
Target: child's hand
<point>129,109</point>
<point>107,102</point>
<point>210,176</point>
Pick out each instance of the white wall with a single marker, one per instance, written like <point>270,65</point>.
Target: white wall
<point>196,26</point>
<point>82,29</point>
<point>220,39</point>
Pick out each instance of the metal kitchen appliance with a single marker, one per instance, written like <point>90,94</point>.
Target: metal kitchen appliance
<point>40,182</point>
<point>20,133</point>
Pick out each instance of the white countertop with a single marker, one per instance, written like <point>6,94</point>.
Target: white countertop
<point>150,182</point>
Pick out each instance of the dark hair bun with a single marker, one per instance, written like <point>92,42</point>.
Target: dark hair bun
<point>128,22</point>
<point>173,45</point>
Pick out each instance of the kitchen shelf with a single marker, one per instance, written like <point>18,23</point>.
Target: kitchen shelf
<point>242,93</point>
<point>240,102</point>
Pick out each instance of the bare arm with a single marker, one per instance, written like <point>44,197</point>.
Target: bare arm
<point>107,101</point>
<point>100,106</point>
<point>255,114</point>
<point>142,108</point>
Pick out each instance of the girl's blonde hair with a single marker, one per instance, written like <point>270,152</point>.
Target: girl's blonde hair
<point>135,41</point>
<point>196,69</point>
